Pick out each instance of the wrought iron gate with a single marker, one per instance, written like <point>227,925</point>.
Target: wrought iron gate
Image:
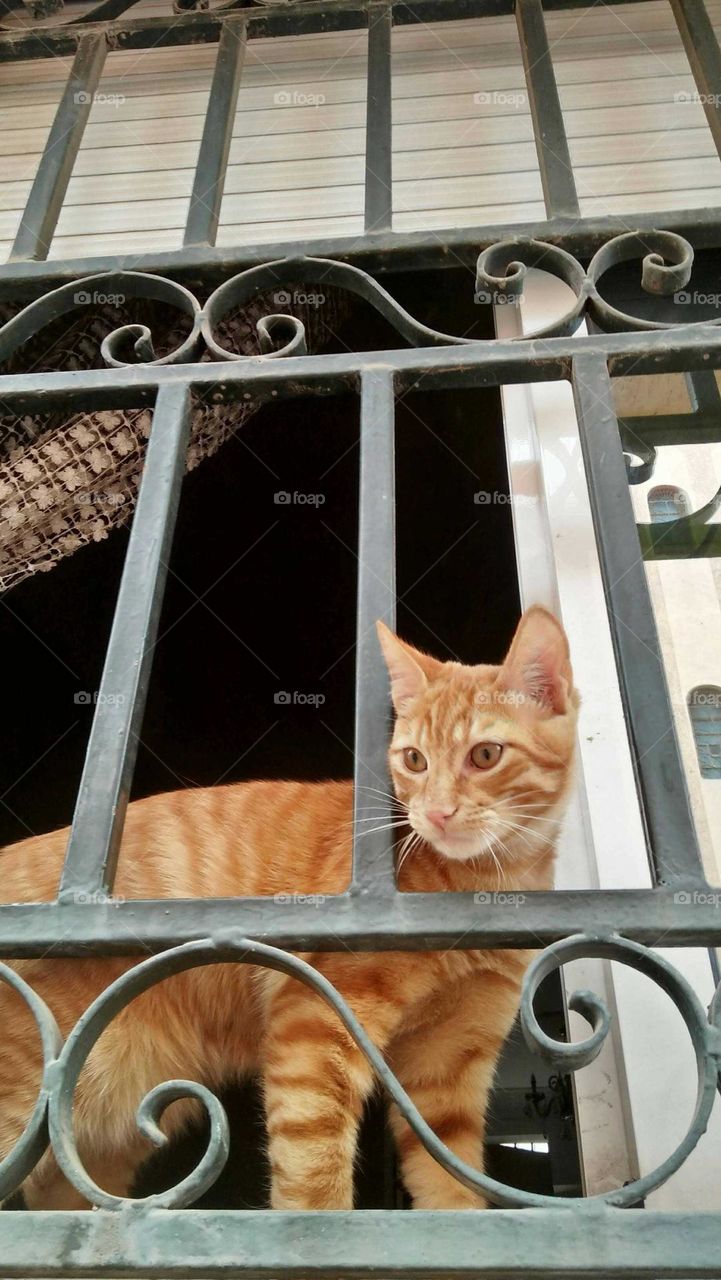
<point>561,1237</point>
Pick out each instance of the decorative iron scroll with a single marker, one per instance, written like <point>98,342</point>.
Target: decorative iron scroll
<point>667,260</point>
<point>53,1114</point>
<point>202,331</point>
<point>53,13</point>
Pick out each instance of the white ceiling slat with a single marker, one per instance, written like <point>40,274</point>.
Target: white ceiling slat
<point>457,161</point>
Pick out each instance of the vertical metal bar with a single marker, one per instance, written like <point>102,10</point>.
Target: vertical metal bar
<point>379,123</point>
<point>209,181</point>
<point>703,392</point>
<point>47,193</point>
<point>549,130</point>
<point>704,55</point>
<point>372,857</point>
<point>657,760</point>
<point>97,827</point>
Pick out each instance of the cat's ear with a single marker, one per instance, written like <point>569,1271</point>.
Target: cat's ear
<point>538,665</point>
<point>408,669</point>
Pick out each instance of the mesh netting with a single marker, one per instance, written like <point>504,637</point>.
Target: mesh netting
<point>66,481</point>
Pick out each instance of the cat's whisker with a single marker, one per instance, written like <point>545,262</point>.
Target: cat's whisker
<point>519,833</point>
<point>529,816</point>
<point>387,826</point>
<point>411,842</point>
<point>377,816</point>
<point>385,795</point>
<point>499,868</point>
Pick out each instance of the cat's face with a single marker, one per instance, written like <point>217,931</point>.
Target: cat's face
<point>481,756</point>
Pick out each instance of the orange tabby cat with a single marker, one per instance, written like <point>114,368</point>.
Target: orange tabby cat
<point>481,760</point>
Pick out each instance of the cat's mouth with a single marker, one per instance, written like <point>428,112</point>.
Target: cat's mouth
<point>461,846</point>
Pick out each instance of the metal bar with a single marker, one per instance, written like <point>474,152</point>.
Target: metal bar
<point>202,28</point>
<point>702,427</point>
<point>47,193</point>
<point>379,125</point>
<point>105,785</point>
<point>704,55</point>
<point>510,1244</point>
<point>280,20</point>
<point>549,130</point>
<point>365,922</point>
<point>478,364</point>
<point>372,853</point>
<point>657,759</point>
<point>380,252</point>
<point>704,395</point>
<point>209,181</point>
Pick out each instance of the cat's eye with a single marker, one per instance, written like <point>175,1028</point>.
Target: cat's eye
<point>414,760</point>
<point>486,754</point>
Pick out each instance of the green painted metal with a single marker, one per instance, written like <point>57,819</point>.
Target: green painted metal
<point>558,1237</point>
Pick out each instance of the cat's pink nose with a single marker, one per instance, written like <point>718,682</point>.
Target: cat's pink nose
<point>439,817</point>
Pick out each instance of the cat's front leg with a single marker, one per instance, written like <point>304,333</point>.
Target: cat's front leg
<point>315,1083</point>
<point>447,1066</point>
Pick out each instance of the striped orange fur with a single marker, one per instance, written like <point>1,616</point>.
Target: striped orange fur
<point>481,759</point>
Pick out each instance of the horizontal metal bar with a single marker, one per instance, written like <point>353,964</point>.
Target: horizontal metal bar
<point>379,147</point>
<point>689,916</point>
<point>372,851</point>
<point>704,55</point>
<point>475,364</point>
<point>657,758</point>
<point>542,1244</point>
<point>40,215</point>
<point>701,427</point>
<point>549,130</point>
<point>207,194</point>
<point>382,251</point>
<point>298,19</point>
<point>110,760</point>
<point>202,28</point>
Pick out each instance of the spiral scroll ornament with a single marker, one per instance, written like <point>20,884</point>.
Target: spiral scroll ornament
<point>63,1068</point>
